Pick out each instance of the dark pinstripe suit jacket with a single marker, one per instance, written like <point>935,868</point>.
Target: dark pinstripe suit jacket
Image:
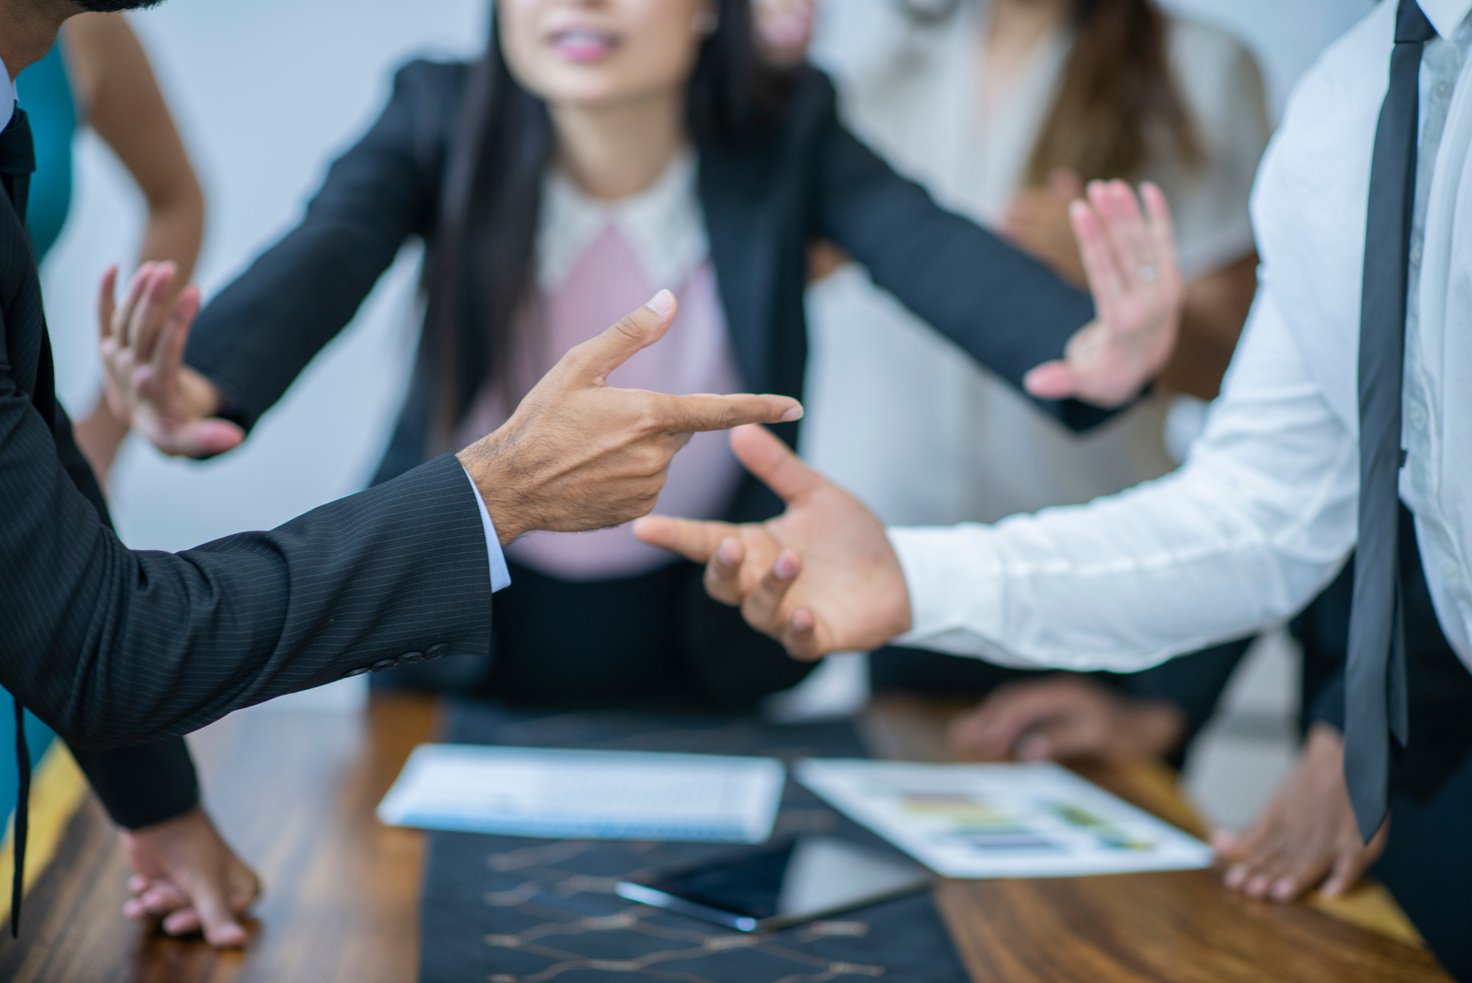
<point>111,647</point>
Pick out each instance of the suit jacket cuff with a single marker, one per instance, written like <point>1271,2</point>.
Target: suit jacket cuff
<point>143,784</point>
<point>1328,706</point>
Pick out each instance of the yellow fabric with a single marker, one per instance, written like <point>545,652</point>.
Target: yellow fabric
<point>57,789</point>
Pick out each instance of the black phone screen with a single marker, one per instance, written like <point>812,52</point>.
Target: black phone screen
<point>782,885</point>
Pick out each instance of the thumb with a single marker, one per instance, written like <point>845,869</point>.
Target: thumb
<point>200,439</point>
<point>593,361</point>
<point>773,462</point>
<point>1051,380</point>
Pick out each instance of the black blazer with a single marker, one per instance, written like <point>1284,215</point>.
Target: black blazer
<point>805,178</point>
<point>110,647</point>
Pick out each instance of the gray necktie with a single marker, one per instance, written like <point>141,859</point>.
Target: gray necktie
<point>1375,685</point>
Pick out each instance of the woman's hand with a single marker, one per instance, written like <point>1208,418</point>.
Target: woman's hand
<point>1129,258</point>
<point>145,381</point>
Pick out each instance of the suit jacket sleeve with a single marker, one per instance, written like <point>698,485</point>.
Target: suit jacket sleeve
<point>257,336</point>
<point>1008,310</point>
<point>147,783</point>
<point>112,647</point>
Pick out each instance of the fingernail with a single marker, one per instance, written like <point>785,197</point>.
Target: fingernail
<point>1283,890</point>
<point>662,303</point>
<point>792,415</point>
<point>786,566</point>
<point>726,554</point>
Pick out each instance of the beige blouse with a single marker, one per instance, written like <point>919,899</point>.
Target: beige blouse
<point>896,413</point>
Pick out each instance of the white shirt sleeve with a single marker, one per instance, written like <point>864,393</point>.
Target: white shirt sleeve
<point>1260,518</point>
<point>500,573</point>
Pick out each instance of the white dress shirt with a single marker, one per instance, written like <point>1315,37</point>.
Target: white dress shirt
<point>500,574</point>
<point>899,415</point>
<point>1263,514</point>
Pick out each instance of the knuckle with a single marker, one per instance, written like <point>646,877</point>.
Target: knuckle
<point>630,328</point>
<point>647,416</point>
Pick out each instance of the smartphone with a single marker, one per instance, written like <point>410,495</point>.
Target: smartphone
<point>773,887</point>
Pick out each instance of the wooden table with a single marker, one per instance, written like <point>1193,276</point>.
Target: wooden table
<point>295,792</point>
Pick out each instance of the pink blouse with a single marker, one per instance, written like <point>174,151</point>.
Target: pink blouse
<point>595,265</point>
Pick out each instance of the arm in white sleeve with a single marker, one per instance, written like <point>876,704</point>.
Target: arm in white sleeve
<point>1258,520</point>
<point>500,573</point>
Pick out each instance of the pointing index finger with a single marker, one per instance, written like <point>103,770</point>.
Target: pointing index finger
<point>703,413</point>
<point>695,541</point>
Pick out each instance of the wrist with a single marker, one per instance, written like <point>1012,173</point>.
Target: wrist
<point>200,396</point>
<point>485,462</point>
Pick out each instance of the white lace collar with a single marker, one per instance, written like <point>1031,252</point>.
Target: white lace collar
<point>664,225</point>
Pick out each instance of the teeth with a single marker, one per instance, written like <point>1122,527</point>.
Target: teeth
<point>583,37</point>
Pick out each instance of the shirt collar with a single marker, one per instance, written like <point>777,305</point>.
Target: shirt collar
<point>664,226</point>
<point>1446,15</point>
<point>7,95</point>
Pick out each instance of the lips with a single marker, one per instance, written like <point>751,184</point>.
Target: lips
<point>583,44</point>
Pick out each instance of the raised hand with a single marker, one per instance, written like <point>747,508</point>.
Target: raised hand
<point>1129,258</point>
<point>579,455</point>
<point>820,578</point>
<point>1039,220</point>
<point>146,383</point>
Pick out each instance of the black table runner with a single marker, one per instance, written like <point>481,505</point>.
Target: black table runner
<point>501,909</point>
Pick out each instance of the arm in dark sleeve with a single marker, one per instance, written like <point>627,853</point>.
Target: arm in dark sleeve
<point>1327,707</point>
<point>111,647</point>
<point>1007,310</point>
<point>1194,684</point>
<point>147,783</point>
<point>257,336</point>
<point>143,784</point>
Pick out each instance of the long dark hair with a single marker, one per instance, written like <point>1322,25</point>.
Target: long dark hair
<point>1119,105</point>
<point>481,262</point>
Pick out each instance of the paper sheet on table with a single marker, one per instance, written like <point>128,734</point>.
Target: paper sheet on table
<point>561,794</point>
<point>985,821</point>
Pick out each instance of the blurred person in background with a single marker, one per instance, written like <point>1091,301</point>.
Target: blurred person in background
<point>599,148</point>
<point>98,77</point>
